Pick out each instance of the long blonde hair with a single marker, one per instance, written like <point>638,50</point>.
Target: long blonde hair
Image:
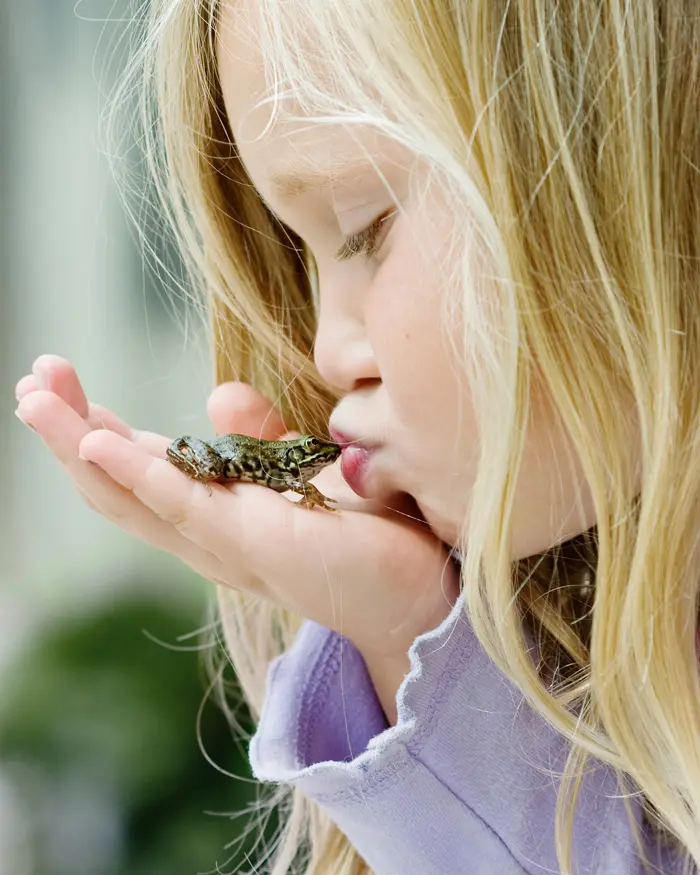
<point>566,137</point>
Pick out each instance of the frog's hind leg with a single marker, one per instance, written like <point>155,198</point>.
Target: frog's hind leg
<point>311,497</point>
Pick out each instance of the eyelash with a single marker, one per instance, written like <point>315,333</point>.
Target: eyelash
<point>364,241</point>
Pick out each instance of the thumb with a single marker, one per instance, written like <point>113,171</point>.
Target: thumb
<point>238,407</point>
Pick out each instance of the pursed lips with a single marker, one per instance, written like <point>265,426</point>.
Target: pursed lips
<point>355,459</point>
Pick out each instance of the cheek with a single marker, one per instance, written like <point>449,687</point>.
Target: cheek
<point>403,319</point>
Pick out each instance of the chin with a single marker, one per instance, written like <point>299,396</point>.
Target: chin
<point>444,529</point>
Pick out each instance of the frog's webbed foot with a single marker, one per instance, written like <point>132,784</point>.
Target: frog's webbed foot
<point>311,497</point>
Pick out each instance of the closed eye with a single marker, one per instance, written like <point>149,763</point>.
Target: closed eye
<point>364,241</point>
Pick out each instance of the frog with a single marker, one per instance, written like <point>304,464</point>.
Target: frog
<point>279,465</point>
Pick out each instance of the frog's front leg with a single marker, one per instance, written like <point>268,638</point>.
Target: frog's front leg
<point>311,497</point>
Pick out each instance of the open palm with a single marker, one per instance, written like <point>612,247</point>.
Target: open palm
<point>374,575</point>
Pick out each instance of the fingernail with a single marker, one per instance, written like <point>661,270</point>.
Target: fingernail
<point>23,421</point>
<point>84,458</point>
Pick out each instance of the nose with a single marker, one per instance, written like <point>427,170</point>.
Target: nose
<point>342,351</point>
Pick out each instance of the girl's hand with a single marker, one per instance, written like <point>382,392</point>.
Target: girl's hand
<point>374,576</point>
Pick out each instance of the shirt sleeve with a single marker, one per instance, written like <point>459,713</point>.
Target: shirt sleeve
<point>465,782</point>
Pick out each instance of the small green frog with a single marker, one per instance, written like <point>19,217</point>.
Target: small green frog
<point>279,465</point>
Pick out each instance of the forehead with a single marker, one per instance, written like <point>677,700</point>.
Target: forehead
<point>239,59</point>
<point>292,157</point>
<point>285,159</point>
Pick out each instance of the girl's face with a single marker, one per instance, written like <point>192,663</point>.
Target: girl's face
<point>380,341</point>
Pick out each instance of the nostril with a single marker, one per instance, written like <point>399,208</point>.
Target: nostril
<point>366,382</point>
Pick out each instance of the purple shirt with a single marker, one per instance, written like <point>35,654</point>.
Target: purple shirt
<point>464,784</point>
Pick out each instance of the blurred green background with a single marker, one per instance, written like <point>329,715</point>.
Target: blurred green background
<point>101,637</point>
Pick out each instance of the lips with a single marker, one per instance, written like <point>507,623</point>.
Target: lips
<point>353,466</point>
<point>339,437</point>
<point>354,462</point>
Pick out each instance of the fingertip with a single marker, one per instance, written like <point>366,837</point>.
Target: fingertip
<point>239,407</point>
<point>34,402</point>
<point>48,415</point>
<point>24,386</point>
<point>44,363</point>
<point>236,394</point>
<point>57,374</point>
<point>21,418</point>
<point>95,442</point>
<point>47,359</point>
<point>121,459</point>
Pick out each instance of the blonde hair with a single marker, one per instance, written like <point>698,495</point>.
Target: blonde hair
<point>566,139</point>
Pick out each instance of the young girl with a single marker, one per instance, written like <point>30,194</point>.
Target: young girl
<point>463,239</point>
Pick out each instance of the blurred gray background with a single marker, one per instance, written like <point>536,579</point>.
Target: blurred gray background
<point>90,779</point>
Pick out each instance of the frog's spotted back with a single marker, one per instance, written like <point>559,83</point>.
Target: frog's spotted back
<point>279,465</point>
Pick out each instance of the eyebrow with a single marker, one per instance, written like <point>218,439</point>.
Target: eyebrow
<point>291,184</point>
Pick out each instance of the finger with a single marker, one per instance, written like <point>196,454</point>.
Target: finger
<point>97,416</point>
<point>100,417</point>
<point>56,374</point>
<point>55,383</point>
<point>62,430</point>
<point>238,407</point>
<point>159,485</point>
<point>57,423</point>
<point>24,386</point>
<point>220,521</point>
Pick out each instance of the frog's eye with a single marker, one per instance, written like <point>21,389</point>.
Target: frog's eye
<point>312,442</point>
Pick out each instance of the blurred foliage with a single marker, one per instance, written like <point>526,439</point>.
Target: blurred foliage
<point>98,736</point>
